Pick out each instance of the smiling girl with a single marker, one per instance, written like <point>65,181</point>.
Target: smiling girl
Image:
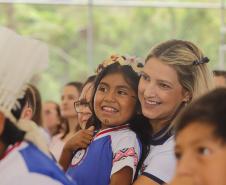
<point>122,139</point>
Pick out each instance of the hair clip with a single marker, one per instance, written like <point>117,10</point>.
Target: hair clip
<point>134,62</point>
<point>202,61</point>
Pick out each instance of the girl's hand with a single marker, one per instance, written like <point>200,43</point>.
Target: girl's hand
<point>80,139</point>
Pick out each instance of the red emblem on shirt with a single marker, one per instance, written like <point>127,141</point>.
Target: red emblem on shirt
<point>124,153</point>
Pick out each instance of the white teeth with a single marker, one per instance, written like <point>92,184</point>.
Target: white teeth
<point>109,109</point>
<point>152,102</point>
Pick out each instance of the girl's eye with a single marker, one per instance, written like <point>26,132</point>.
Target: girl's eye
<point>203,151</point>
<point>122,92</point>
<point>102,88</point>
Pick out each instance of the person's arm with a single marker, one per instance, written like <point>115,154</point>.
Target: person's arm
<point>143,180</point>
<point>122,177</point>
<point>81,139</point>
<point>183,180</point>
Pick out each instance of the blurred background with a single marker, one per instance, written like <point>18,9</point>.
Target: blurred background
<point>81,33</point>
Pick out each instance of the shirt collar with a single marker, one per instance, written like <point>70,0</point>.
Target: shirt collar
<point>160,137</point>
<point>112,129</point>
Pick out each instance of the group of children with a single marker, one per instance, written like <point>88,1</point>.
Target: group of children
<point>141,124</point>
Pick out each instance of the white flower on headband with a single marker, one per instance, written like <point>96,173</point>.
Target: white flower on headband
<point>134,62</point>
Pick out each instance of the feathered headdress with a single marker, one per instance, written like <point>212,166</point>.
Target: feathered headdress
<point>20,58</point>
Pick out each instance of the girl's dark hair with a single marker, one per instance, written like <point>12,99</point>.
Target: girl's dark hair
<point>138,123</point>
<point>32,98</point>
<point>11,134</point>
<point>90,79</point>
<point>208,110</point>
<point>77,85</point>
<point>34,101</point>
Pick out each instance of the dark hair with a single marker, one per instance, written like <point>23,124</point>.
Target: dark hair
<point>77,85</point>
<point>220,73</point>
<point>11,134</point>
<point>208,110</point>
<point>34,101</point>
<point>90,79</point>
<point>138,123</point>
<point>32,98</point>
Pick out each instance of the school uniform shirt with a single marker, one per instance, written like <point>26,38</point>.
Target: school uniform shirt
<point>110,151</point>
<point>24,164</point>
<point>160,164</point>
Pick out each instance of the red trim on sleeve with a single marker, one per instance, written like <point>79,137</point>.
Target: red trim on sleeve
<point>10,149</point>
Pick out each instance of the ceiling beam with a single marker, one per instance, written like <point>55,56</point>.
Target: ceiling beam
<point>122,3</point>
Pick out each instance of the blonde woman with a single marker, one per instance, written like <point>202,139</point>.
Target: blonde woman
<point>175,73</point>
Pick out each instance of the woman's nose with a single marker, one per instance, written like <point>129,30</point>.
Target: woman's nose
<point>150,90</point>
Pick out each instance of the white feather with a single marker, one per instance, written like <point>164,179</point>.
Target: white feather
<point>20,58</point>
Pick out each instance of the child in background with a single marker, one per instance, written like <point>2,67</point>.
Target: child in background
<point>220,78</point>
<point>82,106</point>
<point>21,158</point>
<point>116,152</point>
<point>201,142</point>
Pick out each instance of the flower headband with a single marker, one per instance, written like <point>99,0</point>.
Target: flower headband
<point>135,63</point>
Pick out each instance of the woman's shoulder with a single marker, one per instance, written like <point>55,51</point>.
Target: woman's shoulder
<point>165,146</point>
<point>160,162</point>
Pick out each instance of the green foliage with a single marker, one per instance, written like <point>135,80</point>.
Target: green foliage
<point>115,30</point>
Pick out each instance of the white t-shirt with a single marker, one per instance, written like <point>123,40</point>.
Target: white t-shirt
<point>160,164</point>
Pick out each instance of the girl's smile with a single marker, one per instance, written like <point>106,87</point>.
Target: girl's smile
<point>114,101</point>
